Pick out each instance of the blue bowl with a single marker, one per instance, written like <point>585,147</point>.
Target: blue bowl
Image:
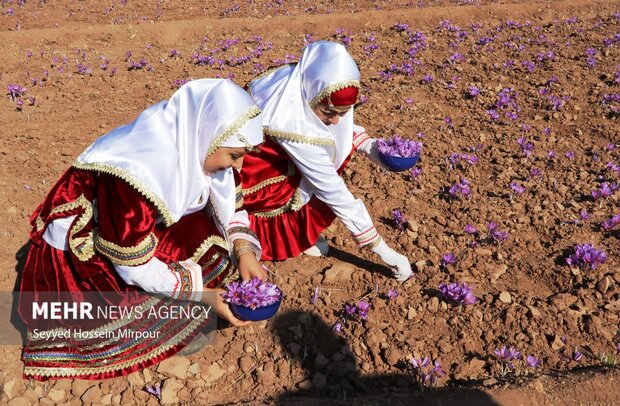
<point>399,164</point>
<point>260,313</point>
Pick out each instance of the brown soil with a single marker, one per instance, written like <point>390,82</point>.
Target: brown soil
<point>71,57</point>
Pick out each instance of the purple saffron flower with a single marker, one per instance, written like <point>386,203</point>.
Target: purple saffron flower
<point>459,294</point>
<point>363,307</point>
<point>516,188</point>
<point>470,229</point>
<point>606,189</point>
<point>473,91</point>
<point>448,259</point>
<point>577,356</point>
<point>419,363</point>
<point>583,215</point>
<point>392,294</point>
<point>427,79</point>
<point>532,361</point>
<point>399,147</point>
<point>350,310</point>
<point>253,293</point>
<point>496,234</point>
<point>569,154</point>
<point>611,223</point>
<point>460,188</point>
<point>154,390</point>
<point>315,295</point>
<point>415,173</point>
<point>586,255</point>
<point>399,219</point>
<point>337,327</point>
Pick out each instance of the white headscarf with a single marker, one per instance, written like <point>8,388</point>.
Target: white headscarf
<point>162,152</point>
<point>287,96</point>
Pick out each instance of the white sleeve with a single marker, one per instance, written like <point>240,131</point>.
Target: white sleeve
<point>180,280</point>
<point>366,145</point>
<point>316,167</point>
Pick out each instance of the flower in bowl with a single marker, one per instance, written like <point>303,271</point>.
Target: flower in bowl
<point>398,154</point>
<point>253,300</point>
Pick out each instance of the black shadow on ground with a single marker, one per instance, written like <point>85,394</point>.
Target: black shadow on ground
<point>331,377</point>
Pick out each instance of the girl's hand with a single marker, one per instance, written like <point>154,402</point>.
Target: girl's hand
<point>250,267</point>
<point>221,307</point>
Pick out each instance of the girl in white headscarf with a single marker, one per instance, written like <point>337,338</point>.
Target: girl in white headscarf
<point>152,206</point>
<point>292,186</point>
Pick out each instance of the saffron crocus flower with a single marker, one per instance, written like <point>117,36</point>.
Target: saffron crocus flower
<point>470,229</point>
<point>399,219</point>
<point>337,327</point>
<point>154,390</point>
<point>315,295</point>
<point>460,188</point>
<point>606,189</point>
<point>363,307</point>
<point>459,294</point>
<point>516,188</point>
<point>350,310</point>
<point>473,91</point>
<point>392,294</point>
<point>496,234</point>
<point>586,255</point>
<point>420,362</point>
<point>398,147</point>
<point>253,293</point>
<point>611,223</point>
<point>577,356</point>
<point>448,259</point>
<point>416,172</point>
<point>532,361</point>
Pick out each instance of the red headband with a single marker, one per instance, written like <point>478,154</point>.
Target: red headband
<point>342,97</point>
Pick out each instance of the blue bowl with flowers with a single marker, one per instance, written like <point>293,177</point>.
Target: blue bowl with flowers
<point>398,154</point>
<point>253,300</point>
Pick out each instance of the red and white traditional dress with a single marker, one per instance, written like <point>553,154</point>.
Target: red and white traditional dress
<point>292,186</point>
<point>136,213</point>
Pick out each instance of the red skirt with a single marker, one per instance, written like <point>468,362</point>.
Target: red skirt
<point>109,346</point>
<point>284,226</point>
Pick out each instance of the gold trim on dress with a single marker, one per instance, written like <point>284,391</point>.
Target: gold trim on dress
<point>232,129</point>
<point>294,204</point>
<point>299,138</point>
<point>264,184</point>
<point>55,371</point>
<point>208,243</point>
<point>127,256</point>
<point>82,247</point>
<point>131,180</point>
<point>333,88</point>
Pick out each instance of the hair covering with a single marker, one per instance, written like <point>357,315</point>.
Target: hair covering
<point>288,95</point>
<point>342,98</point>
<point>162,152</point>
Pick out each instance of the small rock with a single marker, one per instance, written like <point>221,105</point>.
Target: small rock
<point>213,373</point>
<point>169,391</point>
<point>501,269</point>
<point>505,297</point>
<point>557,343</point>
<point>420,265</point>
<point>483,252</point>
<point>246,363</point>
<point>135,379</point>
<point>319,380</point>
<point>411,313</point>
<point>175,366</point>
<point>563,300</point>
<point>56,395</point>
<point>305,385</point>
<point>10,389</point>
<point>91,395</point>
<point>604,284</point>
<point>489,382</point>
<point>339,272</point>
<point>534,312</point>
<point>433,304</point>
<point>320,361</point>
<point>19,401</point>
